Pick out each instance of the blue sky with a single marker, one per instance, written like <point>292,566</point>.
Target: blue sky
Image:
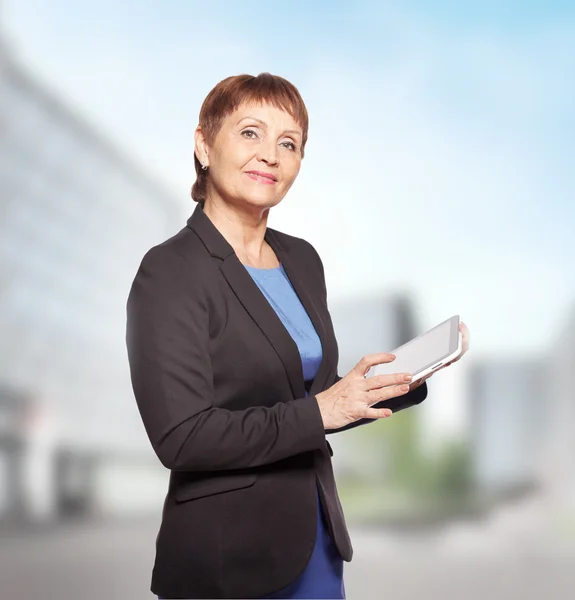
<point>462,114</point>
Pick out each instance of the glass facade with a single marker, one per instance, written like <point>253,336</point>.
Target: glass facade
<point>76,217</point>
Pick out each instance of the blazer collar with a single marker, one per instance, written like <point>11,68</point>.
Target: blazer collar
<point>256,304</point>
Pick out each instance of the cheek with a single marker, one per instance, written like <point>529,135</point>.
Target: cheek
<point>230,167</point>
<point>291,169</point>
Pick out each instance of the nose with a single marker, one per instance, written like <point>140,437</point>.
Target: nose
<point>268,152</point>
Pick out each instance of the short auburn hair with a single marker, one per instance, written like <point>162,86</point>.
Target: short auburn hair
<point>233,91</point>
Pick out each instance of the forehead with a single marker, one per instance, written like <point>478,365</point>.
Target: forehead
<point>267,113</point>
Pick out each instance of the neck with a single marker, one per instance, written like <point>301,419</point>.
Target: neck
<point>243,229</point>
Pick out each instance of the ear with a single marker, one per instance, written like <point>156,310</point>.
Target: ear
<point>201,147</point>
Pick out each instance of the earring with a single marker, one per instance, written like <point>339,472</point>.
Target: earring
<point>204,167</point>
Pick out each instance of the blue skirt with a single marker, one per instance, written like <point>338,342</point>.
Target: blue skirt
<point>323,576</point>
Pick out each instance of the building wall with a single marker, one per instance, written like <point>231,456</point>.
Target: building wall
<point>507,422</point>
<point>76,217</point>
<point>557,461</point>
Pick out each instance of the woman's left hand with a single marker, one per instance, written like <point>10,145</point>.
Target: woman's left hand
<point>464,348</point>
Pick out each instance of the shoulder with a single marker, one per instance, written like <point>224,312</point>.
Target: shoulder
<point>302,250</point>
<point>177,266</point>
<point>182,252</point>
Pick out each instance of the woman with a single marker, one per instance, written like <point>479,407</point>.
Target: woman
<point>233,362</point>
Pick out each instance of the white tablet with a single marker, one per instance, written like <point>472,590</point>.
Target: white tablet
<point>425,353</point>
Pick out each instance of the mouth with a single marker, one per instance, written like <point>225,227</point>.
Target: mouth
<point>261,177</point>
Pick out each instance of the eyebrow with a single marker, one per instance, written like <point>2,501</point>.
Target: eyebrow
<point>265,125</point>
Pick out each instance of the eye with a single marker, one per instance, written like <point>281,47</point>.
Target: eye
<point>250,134</point>
<point>289,145</point>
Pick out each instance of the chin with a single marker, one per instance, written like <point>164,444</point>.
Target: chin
<point>261,200</point>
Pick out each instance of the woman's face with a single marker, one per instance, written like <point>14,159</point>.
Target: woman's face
<point>255,156</point>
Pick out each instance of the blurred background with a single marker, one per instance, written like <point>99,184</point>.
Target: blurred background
<point>438,180</point>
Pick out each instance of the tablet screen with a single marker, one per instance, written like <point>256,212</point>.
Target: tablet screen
<point>423,351</point>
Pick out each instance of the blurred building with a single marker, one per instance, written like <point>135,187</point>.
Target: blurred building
<point>370,324</point>
<point>557,462</point>
<point>365,325</point>
<point>76,217</point>
<point>507,424</point>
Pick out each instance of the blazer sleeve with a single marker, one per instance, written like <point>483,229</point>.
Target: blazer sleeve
<point>396,404</point>
<point>167,338</point>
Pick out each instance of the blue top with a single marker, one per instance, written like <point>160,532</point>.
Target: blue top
<point>323,576</point>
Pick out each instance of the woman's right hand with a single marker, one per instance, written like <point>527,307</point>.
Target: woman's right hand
<point>351,398</point>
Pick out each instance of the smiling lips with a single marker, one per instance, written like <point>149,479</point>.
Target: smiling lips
<point>262,177</point>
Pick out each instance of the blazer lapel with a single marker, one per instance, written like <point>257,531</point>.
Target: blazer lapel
<point>310,305</point>
<point>257,305</point>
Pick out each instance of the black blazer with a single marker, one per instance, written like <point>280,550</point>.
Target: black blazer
<point>219,385</point>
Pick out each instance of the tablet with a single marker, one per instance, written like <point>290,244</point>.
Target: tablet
<point>425,353</point>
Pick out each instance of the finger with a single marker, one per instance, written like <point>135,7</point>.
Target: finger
<point>385,393</point>
<point>376,413</point>
<point>370,360</point>
<point>380,381</point>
